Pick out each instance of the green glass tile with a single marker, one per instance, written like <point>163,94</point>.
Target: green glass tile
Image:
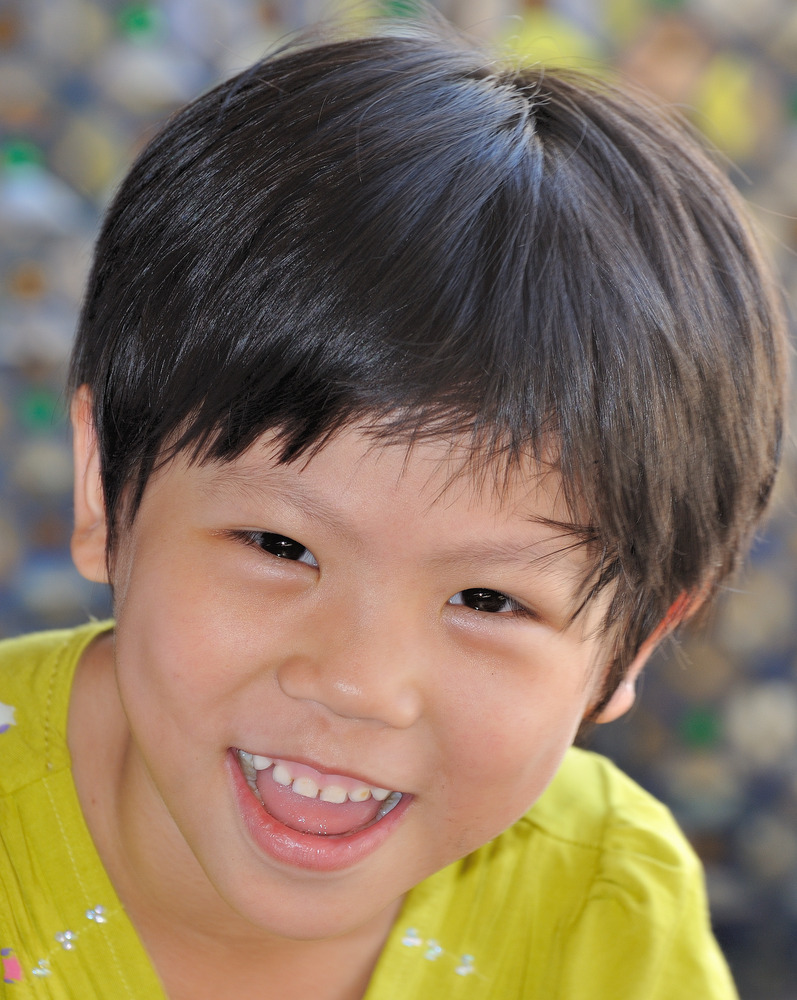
<point>20,153</point>
<point>401,8</point>
<point>700,727</point>
<point>141,21</point>
<point>39,410</point>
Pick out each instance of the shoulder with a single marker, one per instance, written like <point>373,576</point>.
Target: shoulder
<point>595,834</point>
<point>593,894</point>
<point>612,842</point>
<point>594,806</point>
<point>36,674</point>
<point>627,913</point>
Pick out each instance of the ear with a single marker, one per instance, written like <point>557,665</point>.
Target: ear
<point>90,535</point>
<point>625,695</point>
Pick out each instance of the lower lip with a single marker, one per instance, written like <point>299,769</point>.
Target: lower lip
<point>308,850</point>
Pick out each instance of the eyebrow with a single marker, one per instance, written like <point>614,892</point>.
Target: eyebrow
<point>537,553</point>
<point>267,485</point>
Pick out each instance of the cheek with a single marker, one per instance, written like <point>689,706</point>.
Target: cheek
<point>508,731</point>
<point>195,645</point>
<point>170,651</point>
<point>524,702</point>
<point>176,591</point>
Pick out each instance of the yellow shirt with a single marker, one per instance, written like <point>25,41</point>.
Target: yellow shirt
<point>593,895</point>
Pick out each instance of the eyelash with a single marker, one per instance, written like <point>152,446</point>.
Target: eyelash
<point>477,594</point>
<point>256,539</point>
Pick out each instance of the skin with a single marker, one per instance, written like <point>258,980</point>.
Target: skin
<point>367,656</point>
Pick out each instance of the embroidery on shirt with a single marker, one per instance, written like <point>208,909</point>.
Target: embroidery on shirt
<point>6,717</point>
<point>65,940</point>
<point>433,951</point>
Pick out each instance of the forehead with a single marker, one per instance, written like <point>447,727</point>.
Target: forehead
<point>435,472</point>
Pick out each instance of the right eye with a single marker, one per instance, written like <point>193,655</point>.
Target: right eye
<point>280,546</point>
<point>489,601</point>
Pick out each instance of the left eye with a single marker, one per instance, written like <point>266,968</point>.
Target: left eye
<point>282,547</point>
<point>490,601</point>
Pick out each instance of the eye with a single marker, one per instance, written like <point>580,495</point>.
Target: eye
<point>281,546</point>
<point>490,601</point>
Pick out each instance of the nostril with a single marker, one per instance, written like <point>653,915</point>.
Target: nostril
<point>298,679</point>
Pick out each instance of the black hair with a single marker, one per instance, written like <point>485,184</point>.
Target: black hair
<point>398,231</point>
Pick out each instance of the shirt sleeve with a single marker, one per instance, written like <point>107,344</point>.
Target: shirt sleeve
<point>644,931</point>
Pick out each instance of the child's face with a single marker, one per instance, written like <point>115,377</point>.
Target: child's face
<point>414,638</point>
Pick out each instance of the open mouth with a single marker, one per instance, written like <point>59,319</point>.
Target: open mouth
<point>307,801</point>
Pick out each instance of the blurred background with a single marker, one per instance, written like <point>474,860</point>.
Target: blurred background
<point>84,83</point>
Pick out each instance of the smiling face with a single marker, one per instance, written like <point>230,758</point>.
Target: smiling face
<point>362,620</point>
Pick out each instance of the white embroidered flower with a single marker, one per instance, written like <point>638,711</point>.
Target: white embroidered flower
<point>6,717</point>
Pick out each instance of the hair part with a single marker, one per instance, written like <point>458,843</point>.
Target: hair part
<point>400,233</point>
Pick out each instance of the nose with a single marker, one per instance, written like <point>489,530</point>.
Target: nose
<point>369,671</point>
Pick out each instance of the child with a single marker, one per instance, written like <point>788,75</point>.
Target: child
<point>415,400</point>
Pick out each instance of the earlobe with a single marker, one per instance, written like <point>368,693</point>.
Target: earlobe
<point>620,702</point>
<point>90,535</point>
<point>624,697</point>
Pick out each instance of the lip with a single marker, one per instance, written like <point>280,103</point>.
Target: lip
<point>310,851</point>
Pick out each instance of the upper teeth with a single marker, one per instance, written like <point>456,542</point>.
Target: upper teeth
<point>328,791</point>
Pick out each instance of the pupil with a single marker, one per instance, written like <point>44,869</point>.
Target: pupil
<point>282,547</point>
<point>484,600</point>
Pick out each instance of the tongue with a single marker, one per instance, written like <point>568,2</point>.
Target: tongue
<point>312,815</point>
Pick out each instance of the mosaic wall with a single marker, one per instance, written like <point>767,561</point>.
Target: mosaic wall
<point>83,83</point>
